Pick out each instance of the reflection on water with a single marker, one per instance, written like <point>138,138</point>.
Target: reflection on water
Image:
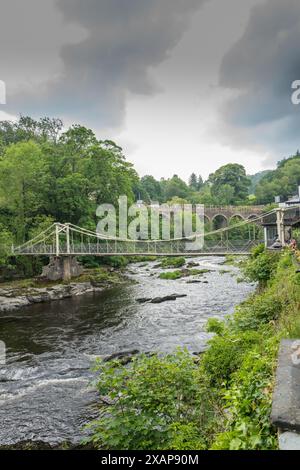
<point>43,388</point>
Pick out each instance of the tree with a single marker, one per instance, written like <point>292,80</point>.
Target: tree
<point>193,183</point>
<point>22,174</point>
<point>225,194</point>
<point>47,175</point>
<point>109,175</point>
<point>151,188</point>
<point>6,240</point>
<point>26,128</point>
<point>200,183</point>
<point>233,175</point>
<point>77,142</point>
<point>283,181</point>
<point>176,187</point>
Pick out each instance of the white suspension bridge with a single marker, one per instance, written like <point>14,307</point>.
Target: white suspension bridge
<point>72,240</point>
<point>64,242</point>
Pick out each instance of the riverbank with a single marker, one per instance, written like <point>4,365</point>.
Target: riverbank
<point>51,346</point>
<point>18,294</point>
<point>222,401</point>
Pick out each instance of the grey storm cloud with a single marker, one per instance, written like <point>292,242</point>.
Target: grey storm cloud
<point>121,40</point>
<point>260,68</point>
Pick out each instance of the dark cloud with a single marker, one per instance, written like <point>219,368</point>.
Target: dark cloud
<point>124,39</point>
<point>260,68</point>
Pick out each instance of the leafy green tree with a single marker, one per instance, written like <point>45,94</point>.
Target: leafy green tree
<point>193,182</point>
<point>23,171</point>
<point>151,188</point>
<point>233,175</point>
<point>283,181</point>
<point>26,128</point>
<point>77,142</point>
<point>200,183</point>
<point>6,241</point>
<point>176,187</point>
<point>40,224</point>
<point>225,194</point>
<point>72,197</point>
<point>109,175</point>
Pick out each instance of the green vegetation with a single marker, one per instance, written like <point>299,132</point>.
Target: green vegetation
<point>229,184</point>
<point>233,260</point>
<point>255,179</point>
<point>173,262</point>
<point>261,265</point>
<point>98,275</point>
<point>102,276</point>
<point>221,400</point>
<point>50,174</point>
<point>157,404</point>
<point>178,274</point>
<point>171,275</point>
<point>283,181</point>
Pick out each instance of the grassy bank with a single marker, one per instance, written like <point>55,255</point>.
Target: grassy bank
<point>103,276</point>
<point>220,400</point>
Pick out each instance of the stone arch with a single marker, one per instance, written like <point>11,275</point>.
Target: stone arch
<point>219,221</point>
<point>240,218</point>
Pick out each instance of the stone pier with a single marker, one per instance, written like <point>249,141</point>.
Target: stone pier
<point>62,268</point>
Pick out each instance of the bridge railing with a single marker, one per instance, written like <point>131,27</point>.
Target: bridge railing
<point>109,247</point>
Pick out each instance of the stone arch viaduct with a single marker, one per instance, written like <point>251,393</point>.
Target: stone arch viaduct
<point>221,216</point>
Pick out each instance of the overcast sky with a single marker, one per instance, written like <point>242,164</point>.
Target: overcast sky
<point>182,85</point>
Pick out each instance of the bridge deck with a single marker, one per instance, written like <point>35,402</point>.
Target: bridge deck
<point>147,253</point>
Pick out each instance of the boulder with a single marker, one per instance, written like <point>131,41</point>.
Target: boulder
<point>159,300</point>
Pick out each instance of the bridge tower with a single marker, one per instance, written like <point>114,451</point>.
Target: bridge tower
<point>280,225</point>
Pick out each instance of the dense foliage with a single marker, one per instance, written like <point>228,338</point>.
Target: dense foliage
<point>228,185</point>
<point>157,403</point>
<point>221,400</point>
<point>283,181</point>
<point>49,173</point>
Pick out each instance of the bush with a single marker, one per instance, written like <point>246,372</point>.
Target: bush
<point>214,325</point>
<point>90,262</point>
<point>225,355</point>
<point>258,250</point>
<point>261,266</point>
<point>116,261</point>
<point>224,402</point>
<point>155,404</point>
<point>248,402</point>
<point>257,311</point>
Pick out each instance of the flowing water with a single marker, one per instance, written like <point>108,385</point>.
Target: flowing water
<point>45,390</point>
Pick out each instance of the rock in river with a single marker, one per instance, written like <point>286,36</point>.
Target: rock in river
<point>159,300</point>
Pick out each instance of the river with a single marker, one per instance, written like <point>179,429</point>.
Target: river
<point>45,391</point>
